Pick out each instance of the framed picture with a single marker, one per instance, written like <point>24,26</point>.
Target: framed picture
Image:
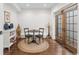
<point>7,17</point>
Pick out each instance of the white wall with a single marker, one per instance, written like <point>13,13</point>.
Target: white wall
<point>52,24</point>
<point>1,28</point>
<point>34,19</point>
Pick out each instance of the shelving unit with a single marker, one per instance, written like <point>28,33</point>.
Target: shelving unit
<point>9,38</point>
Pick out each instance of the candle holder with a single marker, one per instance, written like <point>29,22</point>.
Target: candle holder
<point>48,36</point>
<point>18,31</point>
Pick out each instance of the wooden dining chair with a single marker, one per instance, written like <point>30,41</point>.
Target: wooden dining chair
<point>41,33</point>
<point>27,34</point>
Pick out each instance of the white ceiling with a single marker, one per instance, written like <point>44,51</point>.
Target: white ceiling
<point>36,5</point>
<point>23,6</point>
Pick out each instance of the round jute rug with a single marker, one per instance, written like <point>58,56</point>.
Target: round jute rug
<point>33,47</point>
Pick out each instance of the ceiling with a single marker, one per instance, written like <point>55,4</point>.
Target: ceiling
<point>23,6</point>
<point>36,5</point>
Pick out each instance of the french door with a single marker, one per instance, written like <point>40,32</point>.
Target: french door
<point>59,27</point>
<point>66,28</point>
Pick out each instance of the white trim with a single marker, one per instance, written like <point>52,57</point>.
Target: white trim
<point>78,32</point>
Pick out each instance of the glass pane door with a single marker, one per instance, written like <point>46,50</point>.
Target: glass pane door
<point>59,27</point>
<point>71,29</point>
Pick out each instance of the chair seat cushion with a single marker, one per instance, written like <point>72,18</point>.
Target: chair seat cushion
<point>29,35</point>
<point>39,36</point>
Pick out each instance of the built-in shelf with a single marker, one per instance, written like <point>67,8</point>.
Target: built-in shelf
<point>9,38</point>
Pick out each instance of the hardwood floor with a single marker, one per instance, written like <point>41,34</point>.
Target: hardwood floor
<point>54,49</point>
